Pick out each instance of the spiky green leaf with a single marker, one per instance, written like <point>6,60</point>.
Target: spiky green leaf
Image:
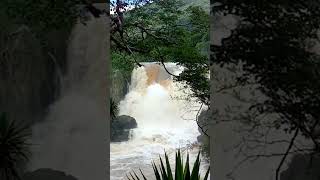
<point>169,171</point>
<point>186,172</point>
<point>156,171</point>
<point>196,168</point>
<point>207,174</point>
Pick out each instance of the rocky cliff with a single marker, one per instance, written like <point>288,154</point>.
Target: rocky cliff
<point>29,73</point>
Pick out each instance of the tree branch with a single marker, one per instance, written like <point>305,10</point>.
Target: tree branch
<point>287,152</point>
<point>153,35</point>
<point>125,47</point>
<point>197,120</point>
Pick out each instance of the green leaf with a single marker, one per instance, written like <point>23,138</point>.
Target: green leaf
<point>132,176</point>
<point>181,172</point>
<point>136,175</point>
<point>156,171</point>
<point>170,177</point>
<point>163,170</point>
<point>179,167</point>
<point>186,169</point>
<point>207,174</point>
<point>128,177</point>
<point>143,175</point>
<point>196,168</point>
<point>14,146</point>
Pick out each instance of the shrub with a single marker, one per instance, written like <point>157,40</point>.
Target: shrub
<point>14,149</point>
<point>164,172</point>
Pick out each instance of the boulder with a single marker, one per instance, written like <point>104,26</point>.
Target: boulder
<point>47,174</point>
<point>124,122</point>
<point>301,167</point>
<point>120,128</point>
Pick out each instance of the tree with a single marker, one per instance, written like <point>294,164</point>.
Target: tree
<point>271,41</point>
<point>42,16</point>
<point>163,31</point>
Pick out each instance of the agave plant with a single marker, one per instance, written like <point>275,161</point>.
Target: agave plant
<point>164,172</point>
<point>14,149</point>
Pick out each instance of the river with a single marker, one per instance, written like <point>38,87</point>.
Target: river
<point>165,113</point>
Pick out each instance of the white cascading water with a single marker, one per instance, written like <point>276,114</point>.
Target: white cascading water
<point>165,115</point>
<point>72,137</point>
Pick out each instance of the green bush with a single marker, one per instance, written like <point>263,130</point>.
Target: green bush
<point>164,172</point>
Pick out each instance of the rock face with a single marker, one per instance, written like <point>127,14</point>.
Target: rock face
<point>301,168</point>
<point>47,174</point>
<point>203,120</point>
<point>72,136</point>
<point>29,79</point>
<point>120,128</point>
<point>119,86</point>
<point>124,122</point>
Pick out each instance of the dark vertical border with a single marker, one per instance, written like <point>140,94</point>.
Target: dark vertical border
<point>108,81</point>
<point>211,100</point>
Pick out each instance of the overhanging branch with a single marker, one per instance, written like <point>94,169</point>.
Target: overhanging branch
<point>286,153</point>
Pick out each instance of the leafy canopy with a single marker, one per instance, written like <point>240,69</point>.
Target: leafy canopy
<point>162,32</point>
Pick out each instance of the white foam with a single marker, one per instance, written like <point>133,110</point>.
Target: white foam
<point>165,121</point>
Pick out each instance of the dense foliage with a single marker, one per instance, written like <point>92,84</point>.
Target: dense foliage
<point>41,16</point>
<point>123,62</point>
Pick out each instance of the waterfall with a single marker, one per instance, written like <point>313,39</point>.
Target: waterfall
<point>165,113</point>
<point>59,75</point>
<point>72,137</point>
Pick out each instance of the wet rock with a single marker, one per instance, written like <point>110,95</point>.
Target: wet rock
<point>120,135</point>
<point>124,122</point>
<point>302,168</point>
<point>119,86</point>
<point>47,174</point>
<point>29,74</point>
<point>120,128</point>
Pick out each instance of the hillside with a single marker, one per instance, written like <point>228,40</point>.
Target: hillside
<point>205,4</point>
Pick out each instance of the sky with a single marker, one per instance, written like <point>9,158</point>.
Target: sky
<point>129,7</point>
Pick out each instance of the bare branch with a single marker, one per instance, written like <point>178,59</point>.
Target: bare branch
<point>286,153</point>
<point>197,120</point>
<point>164,39</point>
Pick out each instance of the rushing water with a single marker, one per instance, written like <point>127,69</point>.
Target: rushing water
<point>72,137</point>
<point>165,114</point>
